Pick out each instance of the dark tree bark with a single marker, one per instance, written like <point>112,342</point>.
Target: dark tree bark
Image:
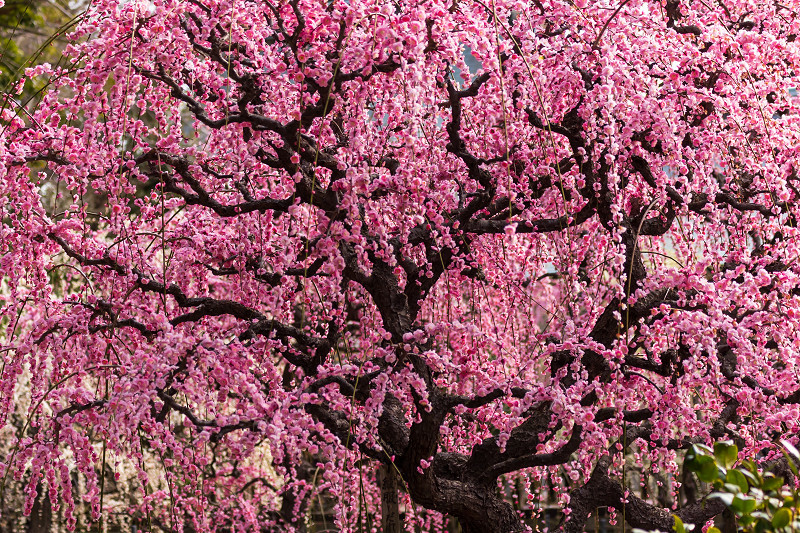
<point>41,517</point>
<point>390,505</point>
<point>602,491</point>
<point>461,485</point>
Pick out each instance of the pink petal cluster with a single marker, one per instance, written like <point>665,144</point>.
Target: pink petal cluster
<point>255,251</point>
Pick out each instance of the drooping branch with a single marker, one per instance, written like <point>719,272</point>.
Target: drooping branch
<point>603,491</point>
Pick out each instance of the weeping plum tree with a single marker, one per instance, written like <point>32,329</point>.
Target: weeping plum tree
<point>267,254</point>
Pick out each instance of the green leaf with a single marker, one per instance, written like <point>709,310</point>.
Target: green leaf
<point>708,470</point>
<point>726,453</point>
<point>791,454</point>
<point>743,504</point>
<point>782,518</point>
<point>791,449</point>
<point>691,462</point>
<point>763,526</point>
<point>713,529</point>
<point>773,504</point>
<point>737,478</point>
<point>753,478</point>
<point>678,527</point>
<point>745,520</point>
<point>703,449</point>
<point>772,482</point>
<point>725,497</point>
<point>732,488</point>
<point>694,455</point>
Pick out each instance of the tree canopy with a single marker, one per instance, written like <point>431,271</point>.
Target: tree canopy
<point>265,253</point>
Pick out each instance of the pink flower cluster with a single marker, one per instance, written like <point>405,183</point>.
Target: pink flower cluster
<point>254,249</point>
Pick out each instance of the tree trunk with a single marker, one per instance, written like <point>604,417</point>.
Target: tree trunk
<point>390,506</point>
<point>728,522</point>
<point>41,517</point>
